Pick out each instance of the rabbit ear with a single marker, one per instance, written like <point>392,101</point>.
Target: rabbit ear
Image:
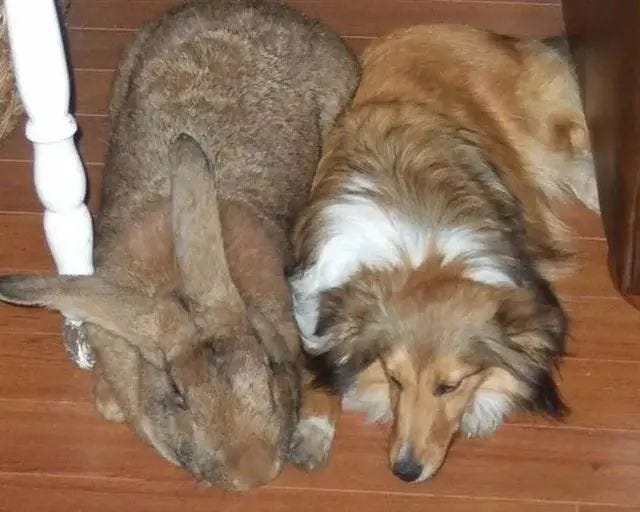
<point>273,339</point>
<point>136,318</point>
<point>197,230</point>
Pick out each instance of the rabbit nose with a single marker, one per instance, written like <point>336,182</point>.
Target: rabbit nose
<point>257,464</point>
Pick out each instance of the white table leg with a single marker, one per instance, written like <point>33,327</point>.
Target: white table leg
<point>43,83</point>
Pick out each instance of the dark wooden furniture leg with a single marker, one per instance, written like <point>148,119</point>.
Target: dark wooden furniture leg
<point>605,42</point>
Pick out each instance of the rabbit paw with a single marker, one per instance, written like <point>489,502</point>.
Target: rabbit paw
<point>110,410</point>
<point>311,443</point>
<point>106,402</point>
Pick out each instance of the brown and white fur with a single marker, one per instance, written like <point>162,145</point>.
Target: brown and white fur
<point>189,313</point>
<point>423,256</point>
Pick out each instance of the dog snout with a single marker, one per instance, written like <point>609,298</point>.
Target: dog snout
<point>408,467</point>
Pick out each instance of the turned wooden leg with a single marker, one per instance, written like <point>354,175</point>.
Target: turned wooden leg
<point>43,83</point>
<point>313,437</point>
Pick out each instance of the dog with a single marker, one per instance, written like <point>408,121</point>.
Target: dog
<point>424,256</point>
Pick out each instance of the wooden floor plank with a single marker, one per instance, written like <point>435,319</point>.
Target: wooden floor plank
<point>92,91</point>
<point>24,247</point>
<point>582,221</point>
<point>21,320</point>
<point>603,329</point>
<point>549,2</point>
<point>117,14</point>
<point>97,49</point>
<point>62,494</point>
<point>377,17</point>
<point>591,278</point>
<point>19,193</point>
<point>78,441</point>
<point>356,17</point>
<point>552,464</point>
<point>93,136</point>
<point>602,394</point>
<point>36,367</point>
<point>101,49</point>
<point>606,508</point>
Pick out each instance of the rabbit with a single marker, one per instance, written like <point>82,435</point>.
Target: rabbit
<point>217,119</point>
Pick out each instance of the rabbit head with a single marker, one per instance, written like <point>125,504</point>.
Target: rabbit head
<point>205,378</point>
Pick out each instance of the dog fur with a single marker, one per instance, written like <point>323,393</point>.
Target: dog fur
<point>424,255</point>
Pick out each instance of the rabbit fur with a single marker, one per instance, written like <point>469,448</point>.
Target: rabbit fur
<point>217,118</point>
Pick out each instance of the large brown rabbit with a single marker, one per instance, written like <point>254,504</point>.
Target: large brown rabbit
<point>189,312</point>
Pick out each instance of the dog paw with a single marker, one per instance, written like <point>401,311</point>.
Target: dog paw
<point>311,443</point>
<point>473,426</point>
<point>485,414</point>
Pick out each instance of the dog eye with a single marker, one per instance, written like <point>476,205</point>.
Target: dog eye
<point>443,388</point>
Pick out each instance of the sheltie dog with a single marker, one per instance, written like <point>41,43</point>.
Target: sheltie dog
<point>421,288</point>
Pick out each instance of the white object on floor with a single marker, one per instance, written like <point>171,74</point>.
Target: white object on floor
<point>42,77</point>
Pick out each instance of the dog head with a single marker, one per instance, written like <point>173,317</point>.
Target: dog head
<point>458,354</point>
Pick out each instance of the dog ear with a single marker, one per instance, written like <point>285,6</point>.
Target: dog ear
<point>349,317</point>
<point>521,311</point>
<point>534,330</point>
<point>546,398</point>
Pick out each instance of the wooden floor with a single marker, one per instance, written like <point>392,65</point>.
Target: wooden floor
<point>58,454</point>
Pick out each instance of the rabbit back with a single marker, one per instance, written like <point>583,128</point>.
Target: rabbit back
<point>258,86</point>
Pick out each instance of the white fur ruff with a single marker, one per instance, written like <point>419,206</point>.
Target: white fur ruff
<point>359,233</point>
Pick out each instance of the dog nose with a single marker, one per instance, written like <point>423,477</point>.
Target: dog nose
<point>407,469</point>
